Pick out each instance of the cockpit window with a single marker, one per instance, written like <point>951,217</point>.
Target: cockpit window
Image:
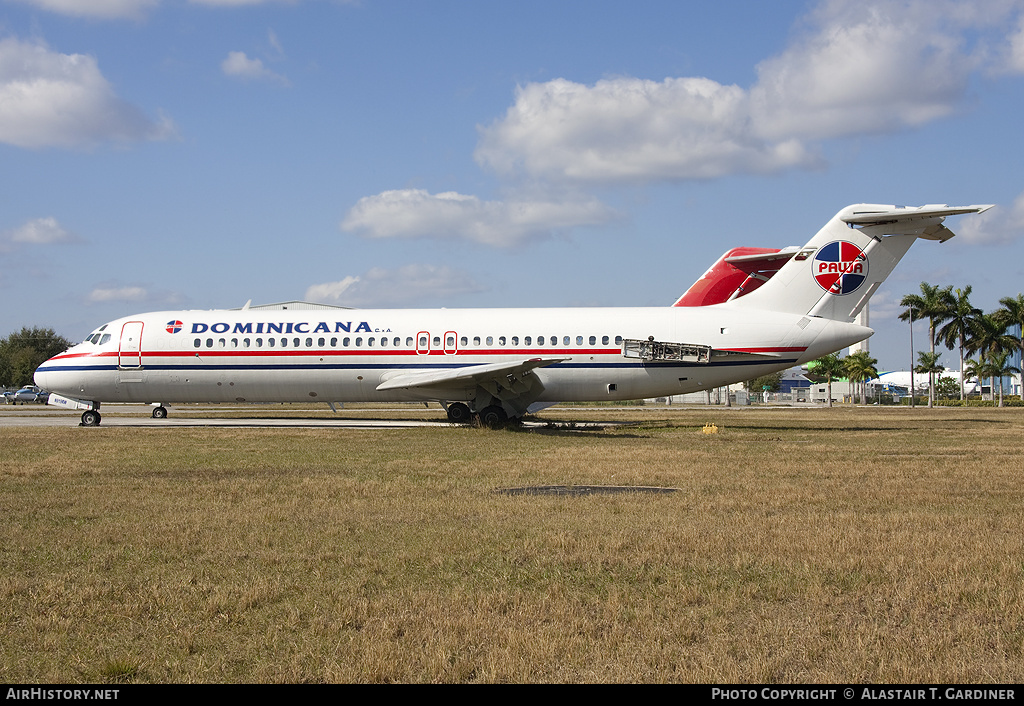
<point>106,337</point>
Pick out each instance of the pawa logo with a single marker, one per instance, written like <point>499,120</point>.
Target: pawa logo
<point>174,326</point>
<point>840,267</point>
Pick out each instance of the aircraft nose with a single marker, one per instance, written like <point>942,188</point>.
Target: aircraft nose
<point>44,377</point>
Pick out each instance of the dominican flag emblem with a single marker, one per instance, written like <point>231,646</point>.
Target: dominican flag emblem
<point>840,267</point>
<point>174,326</point>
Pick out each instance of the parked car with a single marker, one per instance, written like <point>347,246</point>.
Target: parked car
<point>29,393</point>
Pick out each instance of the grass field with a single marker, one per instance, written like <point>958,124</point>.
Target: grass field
<point>810,545</point>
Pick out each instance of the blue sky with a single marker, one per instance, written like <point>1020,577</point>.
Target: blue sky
<point>160,154</point>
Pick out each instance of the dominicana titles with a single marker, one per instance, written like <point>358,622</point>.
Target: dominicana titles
<point>289,327</point>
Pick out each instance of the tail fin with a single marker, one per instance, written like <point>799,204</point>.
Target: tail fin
<point>835,274</point>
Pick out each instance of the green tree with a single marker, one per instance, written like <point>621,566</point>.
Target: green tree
<point>772,382</point>
<point>826,368</point>
<point>1012,313</point>
<point>860,367</point>
<point>998,366</point>
<point>946,387</point>
<point>988,335</point>
<point>958,326</point>
<point>928,363</point>
<point>22,352</point>
<point>935,304</point>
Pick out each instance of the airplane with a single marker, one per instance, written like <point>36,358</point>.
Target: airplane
<point>756,311</point>
<point>902,378</point>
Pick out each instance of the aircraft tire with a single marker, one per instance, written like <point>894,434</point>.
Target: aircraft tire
<point>91,418</point>
<point>459,413</point>
<point>159,413</point>
<point>493,417</point>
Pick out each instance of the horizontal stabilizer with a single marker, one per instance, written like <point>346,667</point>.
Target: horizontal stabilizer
<point>467,375</point>
<point>870,216</point>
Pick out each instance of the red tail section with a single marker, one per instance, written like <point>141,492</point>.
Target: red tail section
<point>739,271</point>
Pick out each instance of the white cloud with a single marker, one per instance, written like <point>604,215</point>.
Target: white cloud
<point>330,292</point>
<point>118,294</point>
<point>238,65</point>
<point>241,3</point>
<point>42,231</point>
<point>860,68</point>
<point>39,231</point>
<point>1014,59</point>
<point>49,99</point>
<point>628,129</point>
<point>131,294</point>
<point>100,9</point>
<point>411,284</point>
<point>410,213</point>
<point>996,226</point>
<point>868,68</point>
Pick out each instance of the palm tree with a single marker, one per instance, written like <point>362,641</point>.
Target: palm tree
<point>929,363</point>
<point>997,365</point>
<point>958,326</point>
<point>934,303</point>
<point>829,367</point>
<point>1011,314</point>
<point>974,369</point>
<point>860,367</point>
<point>988,335</point>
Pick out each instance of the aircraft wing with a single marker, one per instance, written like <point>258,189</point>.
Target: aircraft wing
<point>467,375</point>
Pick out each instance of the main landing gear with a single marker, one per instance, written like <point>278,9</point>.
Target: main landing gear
<point>459,413</point>
<point>160,412</point>
<point>492,416</point>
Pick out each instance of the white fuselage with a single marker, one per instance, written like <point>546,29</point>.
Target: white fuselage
<point>339,355</point>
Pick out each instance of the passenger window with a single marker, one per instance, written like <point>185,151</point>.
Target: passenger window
<point>437,341</point>
<point>221,343</point>
<point>209,343</point>
<point>527,341</point>
<point>397,342</point>
<point>321,342</point>
<point>490,340</point>
<point>464,342</point>
<point>270,342</point>
<point>423,341</point>
<point>234,343</point>
<point>618,340</point>
<point>259,342</point>
<point>501,340</point>
<point>565,340</point>
<point>246,343</point>
<point>476,340</point>
<point>198,343</point>
<point>579,340</point>
<point>540,340</point>
<point>383,341</point>
<point>334,343</point>
<point>515,340</point>
<point>359,341</point>
<point>345,341</point>
<point>309,342</point>
<point>369,341</point>
<point>593,340</point>
<point>449,341</point>
<point>604,340</point>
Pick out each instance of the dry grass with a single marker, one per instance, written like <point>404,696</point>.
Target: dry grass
<point>803,546</point>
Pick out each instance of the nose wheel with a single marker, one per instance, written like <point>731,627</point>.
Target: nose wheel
<point>91,418</point>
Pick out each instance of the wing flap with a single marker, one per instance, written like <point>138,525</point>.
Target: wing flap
<point>466,375</point>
